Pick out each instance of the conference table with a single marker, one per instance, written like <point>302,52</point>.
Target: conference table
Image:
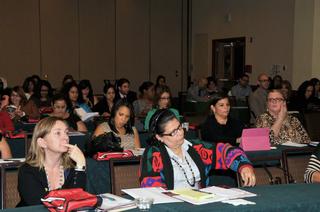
<point>286,197</point>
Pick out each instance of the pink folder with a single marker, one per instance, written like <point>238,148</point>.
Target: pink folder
<point>255,139</point>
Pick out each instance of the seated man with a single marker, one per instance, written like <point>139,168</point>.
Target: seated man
<point>198,92</point>
<point>242,89</point>
<point>257,99</point>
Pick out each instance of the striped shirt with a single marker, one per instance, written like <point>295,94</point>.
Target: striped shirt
<point>313,166</point>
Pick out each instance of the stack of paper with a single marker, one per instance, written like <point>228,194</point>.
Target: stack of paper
<point>156,193</point>
<point>114,203</point>
<point>290,143</point>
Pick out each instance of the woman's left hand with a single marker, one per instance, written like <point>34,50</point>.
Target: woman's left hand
<point>76,155</point>
<point>248,176</point>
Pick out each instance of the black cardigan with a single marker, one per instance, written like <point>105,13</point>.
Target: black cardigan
<point>214,132</point>
<point>33,184</point>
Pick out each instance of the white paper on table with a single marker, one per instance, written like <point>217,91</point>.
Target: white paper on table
<point>138,151</point>
<point>11,160</point>
<point>237,202</point>
<point>153,192</point>
<point>228,193</point>
<point>289,143</point>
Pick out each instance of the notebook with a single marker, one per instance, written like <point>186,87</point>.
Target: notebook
<point>255,139</point>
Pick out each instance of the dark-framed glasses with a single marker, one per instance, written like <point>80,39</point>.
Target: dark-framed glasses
<point>275,100</point>
<point>174,132</point>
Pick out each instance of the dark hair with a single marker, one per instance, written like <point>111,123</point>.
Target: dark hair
<point>65,91</point>
<point>211,79</point>
<point>303,87</point>
<point>67,77</point>
<point>314,81</point>
<point>159,78</point>
<point>26,82</point>
<point>36,78</point>
<point>107,86</point>
<point>218,97</point>
<point>160,90</point>
<point>159,120</point>
<point>20,92</point>
<point>287,84</point>
<point>58,97</point>
<point>273,85</point>
<point>121,81</point>
<point>243,75</point>
<point>83,84</point>
<point>41,83</point>
<point>145,86</point>
<point>115,108</point>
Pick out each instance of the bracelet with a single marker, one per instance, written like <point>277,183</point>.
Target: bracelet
<point>80,168</point>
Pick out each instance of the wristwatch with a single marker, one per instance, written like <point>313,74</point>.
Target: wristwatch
<point>80,168</point>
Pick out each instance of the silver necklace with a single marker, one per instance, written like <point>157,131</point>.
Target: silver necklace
<point>193,182</point>
<point>61,178</point>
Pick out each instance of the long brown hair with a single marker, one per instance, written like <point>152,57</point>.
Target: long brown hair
<point>36,154</point>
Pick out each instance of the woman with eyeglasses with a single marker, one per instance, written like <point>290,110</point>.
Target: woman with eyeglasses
<point>162,100</point>
<point>172,162</point>
<point>283,126</point>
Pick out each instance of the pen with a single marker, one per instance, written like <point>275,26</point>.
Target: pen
<point>205,192</point>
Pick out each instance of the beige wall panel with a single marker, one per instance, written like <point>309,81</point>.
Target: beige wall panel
<point>166,55</point>
<point>19,36</point>
<point>59,39</point>
<point>268,23</point>
<point>97,41</point>
<point>132,41</point>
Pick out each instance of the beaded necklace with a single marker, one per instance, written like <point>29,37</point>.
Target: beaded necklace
<point>61,178</point>
<point>193,182</point>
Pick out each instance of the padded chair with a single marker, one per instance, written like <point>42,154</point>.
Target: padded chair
<point>266,175</point>
<point>18,146</point>
<point>312,119</point>
<point>124,174</point>
<point>11,194</point>
<point>295,163</point>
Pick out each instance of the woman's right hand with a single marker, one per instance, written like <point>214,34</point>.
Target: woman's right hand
<point>283,112</point>
<point>76,155</point>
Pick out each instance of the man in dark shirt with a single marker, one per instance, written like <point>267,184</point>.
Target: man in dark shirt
<point>123,91</point>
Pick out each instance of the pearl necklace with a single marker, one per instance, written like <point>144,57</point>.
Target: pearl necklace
<point>193,182</point>
<point>61,178</point>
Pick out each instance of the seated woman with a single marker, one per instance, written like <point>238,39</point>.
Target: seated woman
<point>143,104</point>
<point>104,106</point>
<point>121,124</point>
<point>172,162</point>
<point>73,96</point>
<point>87,93</point>
<point>59,106</point>
<point>52,163</point>
<point>20,107</point>
<point>162,101</point>
<point>43,96</point>
<point>220,127</point>
<point>312,174</point>
<point>5,151</point>
<point>283,126</point>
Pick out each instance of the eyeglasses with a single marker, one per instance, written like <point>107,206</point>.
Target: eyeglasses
<point>174,132</point>
<point>266,80</point>
<point>275,100</point>
<point>165,98</point>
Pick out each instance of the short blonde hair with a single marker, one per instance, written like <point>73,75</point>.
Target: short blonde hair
<point>36,154</point>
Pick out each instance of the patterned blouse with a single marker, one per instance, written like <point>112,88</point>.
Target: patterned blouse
<point>291,130</point>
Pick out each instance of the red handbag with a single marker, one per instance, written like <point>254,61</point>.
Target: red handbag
<point>109,155</point>
<point>65,200</point>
